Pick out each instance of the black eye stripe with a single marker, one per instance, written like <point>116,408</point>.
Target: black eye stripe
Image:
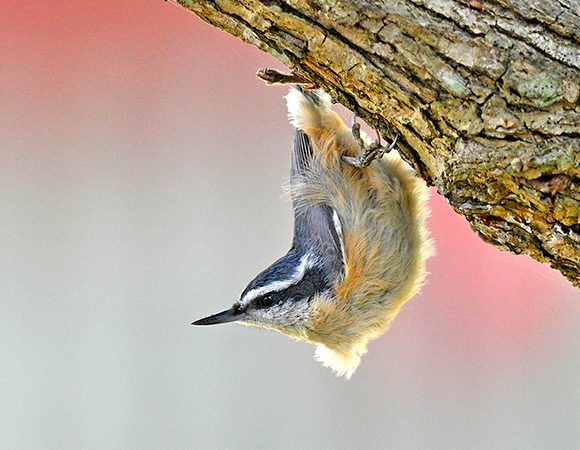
<point>311,283</point>
<point>266,300</point>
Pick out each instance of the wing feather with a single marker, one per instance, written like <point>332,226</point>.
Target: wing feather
<point>317,226</point>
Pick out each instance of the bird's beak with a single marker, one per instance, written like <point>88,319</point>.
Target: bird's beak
<point>229,315</point>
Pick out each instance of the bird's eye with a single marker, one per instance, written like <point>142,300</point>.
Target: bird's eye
<point>265,301</point>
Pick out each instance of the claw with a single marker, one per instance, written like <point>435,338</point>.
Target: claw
<point>392,144</point>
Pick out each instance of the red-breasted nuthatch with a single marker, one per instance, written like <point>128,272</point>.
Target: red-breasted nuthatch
<point>359,246</point>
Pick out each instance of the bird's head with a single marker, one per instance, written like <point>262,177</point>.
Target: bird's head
<point>280,298</point>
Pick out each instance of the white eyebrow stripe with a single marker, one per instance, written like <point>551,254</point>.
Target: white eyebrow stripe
<point>305,263</point>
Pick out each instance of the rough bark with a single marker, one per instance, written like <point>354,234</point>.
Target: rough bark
<point>484,95</point>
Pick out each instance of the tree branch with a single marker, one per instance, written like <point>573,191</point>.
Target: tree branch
<point>484,96</point>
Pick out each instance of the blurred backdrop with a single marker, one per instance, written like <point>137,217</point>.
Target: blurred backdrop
<point>141,165</point>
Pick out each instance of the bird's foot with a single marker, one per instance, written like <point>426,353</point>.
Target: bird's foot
<point>367,152</point>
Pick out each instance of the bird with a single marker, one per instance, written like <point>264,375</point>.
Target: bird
<point>360,240</point>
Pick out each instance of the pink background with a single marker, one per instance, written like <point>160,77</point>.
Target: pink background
<point>141,165</point>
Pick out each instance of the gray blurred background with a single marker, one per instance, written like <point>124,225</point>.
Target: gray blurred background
<point>141,166</point>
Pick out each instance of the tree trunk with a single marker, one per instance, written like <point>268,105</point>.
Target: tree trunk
<point>484,95</point>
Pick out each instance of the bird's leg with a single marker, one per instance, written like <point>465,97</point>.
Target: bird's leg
<point>367,152</point>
